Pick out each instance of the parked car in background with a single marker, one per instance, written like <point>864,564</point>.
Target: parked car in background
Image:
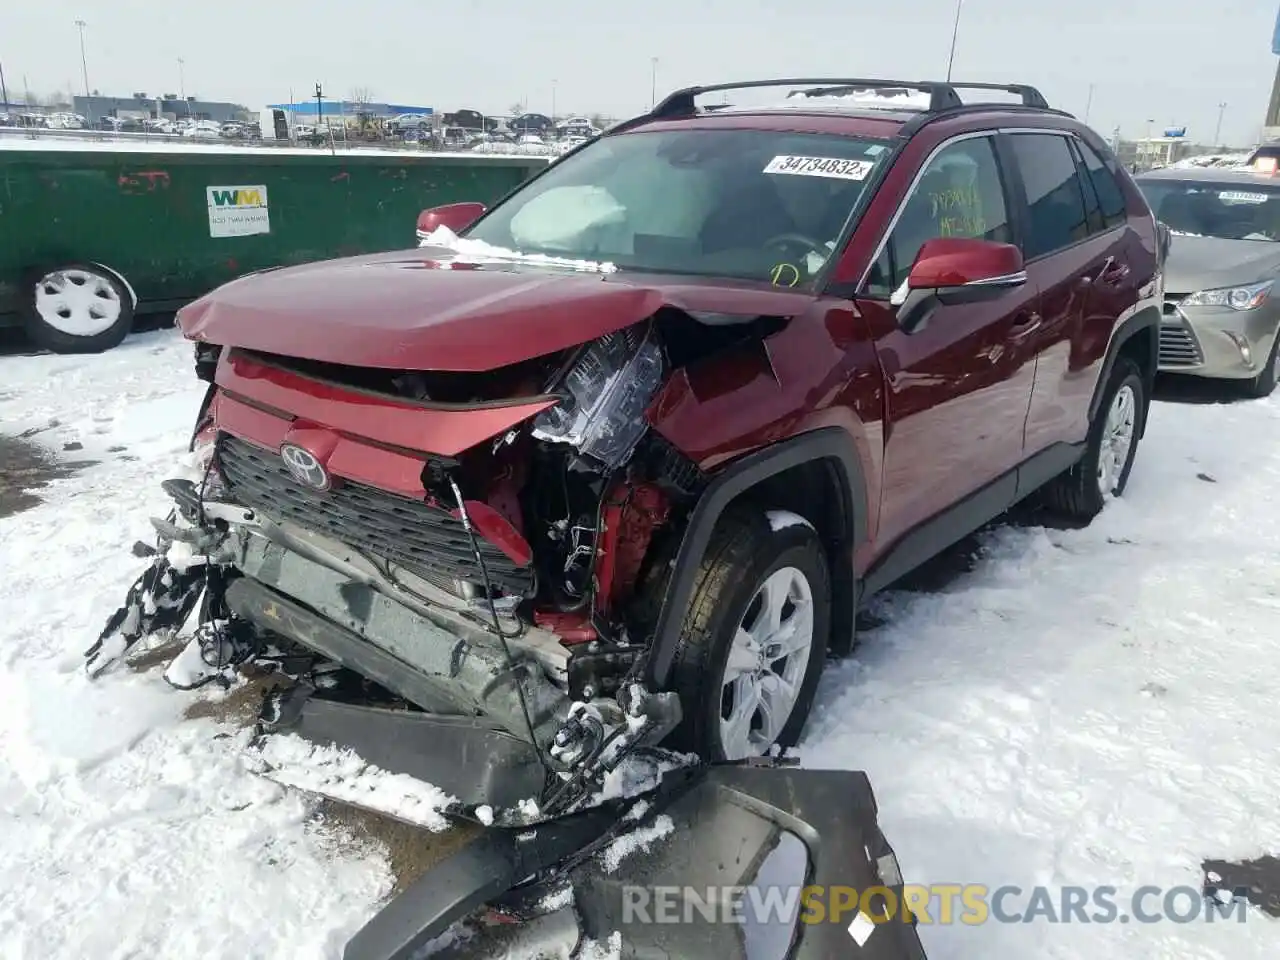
<point>203,130</point>
<point>405,123</point>
<point>536,123</point>
<point>66,121</point>
<point>1266,158</point>
<point>1221,312</point>
<point>578,127</point>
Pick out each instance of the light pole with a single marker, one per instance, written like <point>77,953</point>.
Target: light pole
<point>1217,131</point>
<point>84,63</point>
<point>653,82</point>
<point>553,100</point>
<point>955,32</point>
<point>182,79</point>
<point>1088,104</point>
<point>4,93</point>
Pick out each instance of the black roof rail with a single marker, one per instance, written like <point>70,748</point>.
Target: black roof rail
<point>681,102</point>
<point>1031,97</point>
<point>943,95</point>
<point>944,101</point>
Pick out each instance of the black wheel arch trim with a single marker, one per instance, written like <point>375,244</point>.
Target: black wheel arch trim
<point>825,443</point>
<point>1145,322</point>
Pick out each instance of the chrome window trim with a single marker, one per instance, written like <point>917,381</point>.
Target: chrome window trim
<point>915,182</point>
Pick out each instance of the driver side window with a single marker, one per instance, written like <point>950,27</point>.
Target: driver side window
<point>959,195</point>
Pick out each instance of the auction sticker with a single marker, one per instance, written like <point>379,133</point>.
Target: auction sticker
<point>820,167</point>
<point>1240,196</point>
<point>239,211</point>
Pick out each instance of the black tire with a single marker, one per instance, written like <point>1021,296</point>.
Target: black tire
<point>1076,494</point>
<point>1264,384</point>
<point>42,299</point>
<point>744,551</point>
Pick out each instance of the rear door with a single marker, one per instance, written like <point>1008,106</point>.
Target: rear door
<point>1075,253</point>
<point>957,389</point>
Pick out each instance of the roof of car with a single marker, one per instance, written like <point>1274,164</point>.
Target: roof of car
<point>1239,175</point>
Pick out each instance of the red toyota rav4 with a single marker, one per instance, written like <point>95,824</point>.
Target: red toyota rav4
<point>615,462</point>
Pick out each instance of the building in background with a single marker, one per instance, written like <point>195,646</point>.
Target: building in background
<point>139,106</point>
<point>311,111</point>
<point>1271,124</point>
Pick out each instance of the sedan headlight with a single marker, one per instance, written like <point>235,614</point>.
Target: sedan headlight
<point>603,397</point>
<point>1237,298</point>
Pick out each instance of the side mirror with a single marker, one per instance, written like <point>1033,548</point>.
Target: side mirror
<point>456,216</point>
<point>956,270</point>
<point>1166,240</point>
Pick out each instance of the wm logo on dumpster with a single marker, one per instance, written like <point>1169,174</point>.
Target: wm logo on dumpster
<point>238,196</point>
<point>238,210</point>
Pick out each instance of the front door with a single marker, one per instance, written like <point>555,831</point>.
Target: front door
<point>957,389</point>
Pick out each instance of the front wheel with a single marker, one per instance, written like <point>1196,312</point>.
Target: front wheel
<point>78,308</point>
<point>754,638</point>
<point>1103,472</point>
<point>1264,384</point>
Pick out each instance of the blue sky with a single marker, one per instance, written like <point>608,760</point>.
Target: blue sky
<point>1168,61</point>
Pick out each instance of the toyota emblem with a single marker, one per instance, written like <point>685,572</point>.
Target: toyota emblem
<point>305,467</point>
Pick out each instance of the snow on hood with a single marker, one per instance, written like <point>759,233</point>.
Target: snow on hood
<point>478,252</point>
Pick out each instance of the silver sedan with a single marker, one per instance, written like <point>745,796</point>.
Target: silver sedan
<point>1221,311</point>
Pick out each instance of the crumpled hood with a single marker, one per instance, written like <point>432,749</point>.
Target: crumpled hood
<point>1207,263</point>
<point>428,309</point>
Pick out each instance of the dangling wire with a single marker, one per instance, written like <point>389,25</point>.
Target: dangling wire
<point>497,624</point>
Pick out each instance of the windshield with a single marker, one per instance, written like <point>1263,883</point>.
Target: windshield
<point>1228,211</point>
<point>750,204</point>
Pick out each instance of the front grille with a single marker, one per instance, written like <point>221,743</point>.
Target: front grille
<point>423,538</point>
<point>1178,346</point>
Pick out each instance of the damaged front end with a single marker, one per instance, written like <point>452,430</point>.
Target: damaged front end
<point>486,635</point>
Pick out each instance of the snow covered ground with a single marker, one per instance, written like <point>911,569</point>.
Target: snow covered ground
<point>1087,707</point>
<point>105,143</point>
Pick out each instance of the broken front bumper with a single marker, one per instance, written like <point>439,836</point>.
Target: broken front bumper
<point>805,842</point>
<point>493,724</point>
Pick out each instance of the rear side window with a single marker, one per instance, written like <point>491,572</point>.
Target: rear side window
<point>1092,209</point>
<point>1110,196</point>
<point>1058,217</point>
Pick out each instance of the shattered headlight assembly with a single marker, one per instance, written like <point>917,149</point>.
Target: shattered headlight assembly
<point>604,396</point>
<point>1247,297</point>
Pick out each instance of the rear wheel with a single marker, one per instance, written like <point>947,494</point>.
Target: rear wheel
<point>1103,472</point>
<point>78,308</point>
<point>754,638</point>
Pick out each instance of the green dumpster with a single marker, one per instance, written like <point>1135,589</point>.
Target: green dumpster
<point>92,234</point>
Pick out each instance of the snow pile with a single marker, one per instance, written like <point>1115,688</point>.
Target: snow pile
<point>642,838</point>
<point>106,143</point>
<point>1089,707</point>
<point>477,252</point>
<point>1227,160</point>
<point>638,773</point>
<point>1083,707</point>
<point>343,775</point>
<point>890,98</point>
<point>502,148</point>
<point>126,830</point>
<point>611,949</point>
<point>557,899</point>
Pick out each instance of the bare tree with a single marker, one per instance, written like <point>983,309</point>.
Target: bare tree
<point>360,96</point>
<point>516,108</point>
